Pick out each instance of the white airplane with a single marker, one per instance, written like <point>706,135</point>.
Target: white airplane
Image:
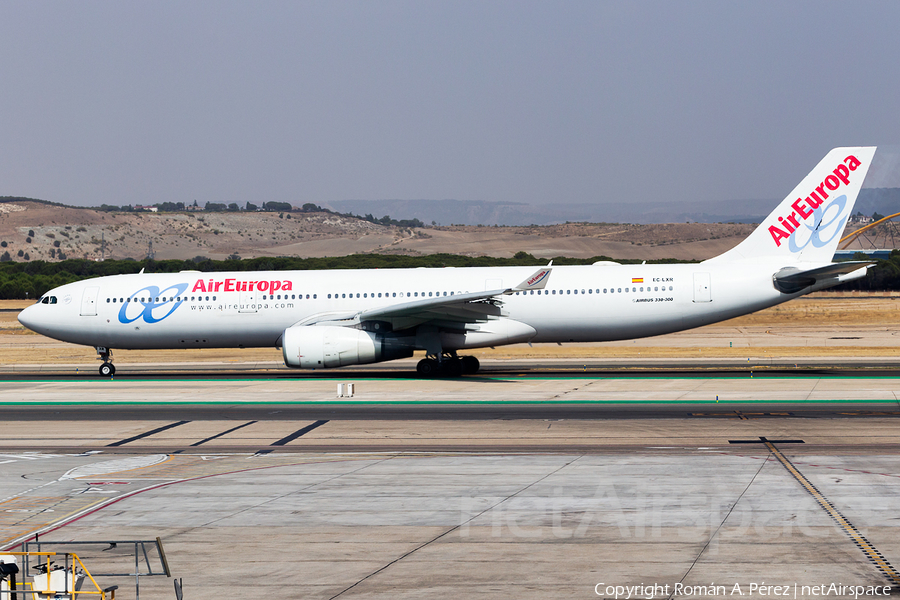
<point>323,319</point>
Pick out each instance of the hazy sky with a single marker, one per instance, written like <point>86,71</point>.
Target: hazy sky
<point>141,102</point>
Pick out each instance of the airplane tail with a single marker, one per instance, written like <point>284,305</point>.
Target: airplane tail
<point>807,225</point>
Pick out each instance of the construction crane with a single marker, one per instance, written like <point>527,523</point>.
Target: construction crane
<point>850,238</point>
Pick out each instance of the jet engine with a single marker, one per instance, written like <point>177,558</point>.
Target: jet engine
<point>317,347</point>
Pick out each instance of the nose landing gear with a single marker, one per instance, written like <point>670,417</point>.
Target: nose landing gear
<point>107,369</point>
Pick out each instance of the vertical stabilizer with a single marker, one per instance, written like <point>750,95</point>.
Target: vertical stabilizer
<point>807,225</point>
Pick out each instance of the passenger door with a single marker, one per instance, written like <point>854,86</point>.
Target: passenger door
<point>89,301</point>
<point>702,291</point>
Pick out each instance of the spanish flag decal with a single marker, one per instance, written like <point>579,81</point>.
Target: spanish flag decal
<point>637,280</point>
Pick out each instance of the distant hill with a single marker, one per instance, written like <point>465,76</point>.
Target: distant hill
<point>476,212</point>
<point>36,230</point>
<point>885,201</point>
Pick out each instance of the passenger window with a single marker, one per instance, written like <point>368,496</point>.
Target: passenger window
<point>590,291</point>
<point>576,292</point>
<point>642,288</point>
<point>633,289</point>
<point>620,290</point>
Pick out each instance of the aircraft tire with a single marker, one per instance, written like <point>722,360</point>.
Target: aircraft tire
<point>107,370</point>
<point>470,365</point>
<point>427,367</point>
<point>453,367</point>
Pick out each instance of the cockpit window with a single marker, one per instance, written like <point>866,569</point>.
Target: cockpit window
<point>45,300</point>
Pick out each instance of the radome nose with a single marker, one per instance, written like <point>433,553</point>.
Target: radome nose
<point>28,317</point>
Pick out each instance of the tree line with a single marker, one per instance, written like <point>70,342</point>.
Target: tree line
<point>20,280</point>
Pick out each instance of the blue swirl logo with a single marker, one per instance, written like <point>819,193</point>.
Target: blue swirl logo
<point>152,304</point>
<point>820,233</point>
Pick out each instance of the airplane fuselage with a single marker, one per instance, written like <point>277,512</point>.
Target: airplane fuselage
<point>335,318</point>
<point>219,310</point>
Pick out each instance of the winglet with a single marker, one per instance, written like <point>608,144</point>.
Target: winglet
<point>537,281</point>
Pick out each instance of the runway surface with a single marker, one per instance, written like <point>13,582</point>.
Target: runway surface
<point>537,484</point>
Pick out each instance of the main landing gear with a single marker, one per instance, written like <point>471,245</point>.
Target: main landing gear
<point>449,366</point>
<point>107,369</point>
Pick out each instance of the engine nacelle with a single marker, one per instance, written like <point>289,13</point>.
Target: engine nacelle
<point>312,347</point>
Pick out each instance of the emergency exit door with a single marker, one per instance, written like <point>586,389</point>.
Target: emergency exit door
<point>248,302</point>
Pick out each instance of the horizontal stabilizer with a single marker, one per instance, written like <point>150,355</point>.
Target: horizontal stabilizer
<point>791,279</point>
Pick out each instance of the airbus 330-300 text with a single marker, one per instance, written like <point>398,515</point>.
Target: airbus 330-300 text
<point>324,319</point>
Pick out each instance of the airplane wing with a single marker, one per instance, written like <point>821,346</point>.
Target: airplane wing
<point>455,310</point>
<point>791,279</point>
